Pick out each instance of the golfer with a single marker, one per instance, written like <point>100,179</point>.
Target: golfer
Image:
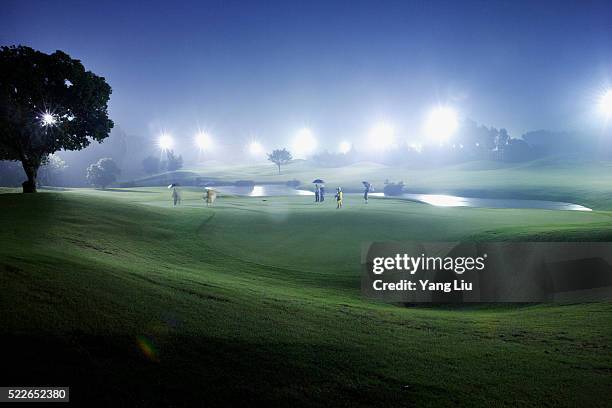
<point>367,187</point>
<point>317,193</point>
<point>209,196</point>
<point>176,196</point>
<point>322,193</point>
<point>339,197</point>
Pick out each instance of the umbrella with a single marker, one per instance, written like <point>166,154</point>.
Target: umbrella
<point>318,181</point>
<point>365,183</point>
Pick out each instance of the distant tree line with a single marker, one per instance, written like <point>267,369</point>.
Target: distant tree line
<point>153,164</point>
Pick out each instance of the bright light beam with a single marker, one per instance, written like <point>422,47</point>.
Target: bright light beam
<point>605,103</point>
<point>165,142</point>
<point>304,144</point>
<point>203,141</point>
<point>441,123</point>
<point>255,148</point>
<point>48,119</point>
<point>345,147</point>
<point>382,136</point>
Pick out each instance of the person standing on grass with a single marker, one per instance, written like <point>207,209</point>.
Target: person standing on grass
<point>367,187</point>
<point>322,193</point>
<point>210,196</point>
<point>317,193</point>
<point>339,197</point>
<point>176,196</point>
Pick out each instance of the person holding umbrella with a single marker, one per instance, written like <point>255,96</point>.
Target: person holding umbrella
<point>319,190</point>
<point>176,195</point>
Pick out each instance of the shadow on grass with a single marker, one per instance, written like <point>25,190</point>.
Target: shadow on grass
<point>192,371</point>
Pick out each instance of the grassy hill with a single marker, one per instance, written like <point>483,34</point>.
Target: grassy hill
<point>125,298</point>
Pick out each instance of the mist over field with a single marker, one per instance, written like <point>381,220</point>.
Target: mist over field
<point>208,203</point>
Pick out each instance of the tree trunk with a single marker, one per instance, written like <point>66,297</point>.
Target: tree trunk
<point>279,169</point>
<point>31,170</point>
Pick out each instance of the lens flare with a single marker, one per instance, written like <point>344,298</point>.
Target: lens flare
<point>441,123</point>
<point>147,348</point>
<point>304,144</point>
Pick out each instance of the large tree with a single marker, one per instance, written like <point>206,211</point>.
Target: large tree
<point>279,157</point>
<point>48,102</point>
<point>103,173</point>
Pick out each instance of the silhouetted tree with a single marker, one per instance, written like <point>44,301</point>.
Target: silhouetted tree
<point>151,164</point>
<point>279,157</point>
<point>103,173</point>
<point>48,103</point>
<point>174,162</point>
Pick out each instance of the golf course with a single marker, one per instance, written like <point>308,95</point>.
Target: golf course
<point>257,300</point>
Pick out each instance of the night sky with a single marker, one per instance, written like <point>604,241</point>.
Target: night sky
<point>265,69</point>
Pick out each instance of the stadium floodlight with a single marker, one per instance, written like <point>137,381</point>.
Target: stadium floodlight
<point>165,142</point>
<point>605,103</point>
<point>255,148</point>
<point>203,141</point>
<point>441,123</point>
<point>304,143</point>
<point>47,119</point>
<point>382,136</point>
<point>345,147</point>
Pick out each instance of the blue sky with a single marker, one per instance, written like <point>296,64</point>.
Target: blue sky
<point>265,69</point>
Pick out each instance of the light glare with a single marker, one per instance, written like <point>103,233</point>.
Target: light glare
<point>605,103</point>
<point>382,136</point>
<point>441,123</point>
<point>48,119</point>
<point>345,147</point>
<point>304,143</point>
<point>255,148</point>
<point>203,141</point>
<point>165,142</point>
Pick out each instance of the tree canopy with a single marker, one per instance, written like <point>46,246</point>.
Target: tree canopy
<point>280,157</point>
<point>48,102</point>
<point>103,173</point>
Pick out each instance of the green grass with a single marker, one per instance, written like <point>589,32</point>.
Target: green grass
<point>259,301</point>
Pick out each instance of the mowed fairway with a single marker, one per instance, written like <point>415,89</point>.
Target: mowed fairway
<point>123,297</point>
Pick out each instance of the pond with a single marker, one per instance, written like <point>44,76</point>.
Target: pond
<point>262,190</point>
<point>444,200</point>
<point>438,200</point>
